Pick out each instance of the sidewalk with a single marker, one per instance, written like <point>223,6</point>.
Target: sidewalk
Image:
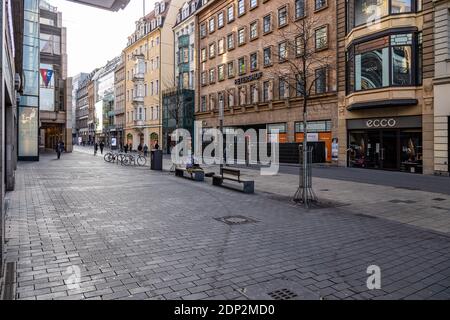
<point>422,209</point>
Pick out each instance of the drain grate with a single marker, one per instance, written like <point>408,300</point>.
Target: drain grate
<point>396,201</point>
<point>439,199</point>
<point>236,220</point>
<point>283,294</point>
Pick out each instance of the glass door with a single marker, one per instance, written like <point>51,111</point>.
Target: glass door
<point>389,150</point>
<point>373,155</point>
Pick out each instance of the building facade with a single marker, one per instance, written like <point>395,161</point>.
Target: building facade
<point>442,87</point>
<point>119,109</point>
<point>76,83</point>
<point>55,105</point>
<point>244,46</point>
<point>385,78</point>
<point>149,65</point>
<point>82,111</point>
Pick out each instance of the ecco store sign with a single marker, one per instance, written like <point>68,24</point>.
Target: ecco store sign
<point>385,123</point>
<point>381,123</point>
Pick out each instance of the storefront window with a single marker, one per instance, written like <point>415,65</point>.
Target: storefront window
<point>411,151</point>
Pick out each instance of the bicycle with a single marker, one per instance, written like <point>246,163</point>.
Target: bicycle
<point>130,159</point>
<point>112,157</point>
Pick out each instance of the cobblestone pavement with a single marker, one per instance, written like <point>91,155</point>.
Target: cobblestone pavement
<point>137,234</point>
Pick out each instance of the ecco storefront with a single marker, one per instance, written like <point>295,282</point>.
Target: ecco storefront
<point>390,143</point>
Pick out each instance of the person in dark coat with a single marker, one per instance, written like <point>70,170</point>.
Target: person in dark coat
<point>145,151</point>
<point>102,147</point>
<point>59,149</point>
<point>95,148</point>
<point>125,148</point>
<point>156,146</point>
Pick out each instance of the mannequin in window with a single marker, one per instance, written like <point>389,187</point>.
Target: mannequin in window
<point>242,96</point>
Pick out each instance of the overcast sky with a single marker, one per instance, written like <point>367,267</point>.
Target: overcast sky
<point>95,36</point>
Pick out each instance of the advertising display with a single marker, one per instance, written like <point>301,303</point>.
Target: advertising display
<point>47,88</point>
<point>28,132</point>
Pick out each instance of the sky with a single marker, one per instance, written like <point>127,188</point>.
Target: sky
<point>95,36</point>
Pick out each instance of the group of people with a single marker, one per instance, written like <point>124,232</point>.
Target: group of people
<point>126,148</point>
<point>97,146</point>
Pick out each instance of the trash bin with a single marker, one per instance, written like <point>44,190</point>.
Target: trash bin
<point>156,160</point>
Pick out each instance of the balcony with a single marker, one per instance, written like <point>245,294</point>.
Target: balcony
<point>137,77</point>
<point>138,99</point>
<point>139,123</point>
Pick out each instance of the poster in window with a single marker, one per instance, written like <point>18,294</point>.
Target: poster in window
<point>28,132</point>
<point>47,88</point>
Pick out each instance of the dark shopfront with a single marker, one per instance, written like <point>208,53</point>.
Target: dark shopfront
<point>391,143</point>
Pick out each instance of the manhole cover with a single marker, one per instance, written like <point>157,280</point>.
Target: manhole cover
<point>396,201</point>
<point>283,294</point>
<point>236,220</point>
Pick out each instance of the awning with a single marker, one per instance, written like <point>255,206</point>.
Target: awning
<point>382,104</point>
<point>111,5</point>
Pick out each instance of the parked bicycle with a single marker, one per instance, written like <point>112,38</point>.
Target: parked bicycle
<point>130,159</point>
<point>112,157</point>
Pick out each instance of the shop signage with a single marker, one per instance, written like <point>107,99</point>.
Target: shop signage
<point>385,123</point>
<point>381,123</point>
<point>252,77</point>
<point>313,137</point>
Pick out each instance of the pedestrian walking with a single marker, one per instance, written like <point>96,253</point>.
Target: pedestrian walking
<point>102,147</point>
<point>125,148</point>
<point>156,146</point>
<point>140,148</point>
<point>95,148</point>
<point>130,148</point>
<point>145,151</point>
<point>59,149</point>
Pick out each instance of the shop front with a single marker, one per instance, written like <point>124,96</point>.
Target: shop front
<point>391,143</point>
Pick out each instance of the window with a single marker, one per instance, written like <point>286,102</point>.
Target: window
<point>319,4</point>
<point>267,23</point>
<point>241,66</point>
<point>230,69</point>
<point>384,62</point>
<point>254,30</point>
<point>299,46</point>
<point>241,7</point>
<point>254,61</point>
<point>221,46</point>
<point>253,4</point>
<point>321,38</point>
<point>203,78</point>
<point>203,54</point>
<point>267,56</point>
<point>203,104</point>
<point>242,96</point>
<point>230,13</point>
<point>212,102</point>
<point>241,36</point>
<point>221,72</point>
<point>230,41</point>
<point>221,99</point>
<point>202,30</point>
<point>212,25</point>
<point>299,9</point>
<point>212,76</point>
<point>321,80</point>
<point>282,16</point>
<point>282,51</point>
<point>299,85</point>
<point>283,88</point>
<point>220,20</point>
<point>212,50</point>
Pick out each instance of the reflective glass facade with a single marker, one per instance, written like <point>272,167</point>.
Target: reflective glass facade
<point>29,102</point>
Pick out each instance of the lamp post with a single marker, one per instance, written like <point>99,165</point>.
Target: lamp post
<point>221,116</point>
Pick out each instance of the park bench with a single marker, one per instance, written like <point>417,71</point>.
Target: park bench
<point>195,174</point>
<point>229,174</point>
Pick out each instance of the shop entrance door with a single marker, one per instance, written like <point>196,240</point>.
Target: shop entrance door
<point>389,150</point>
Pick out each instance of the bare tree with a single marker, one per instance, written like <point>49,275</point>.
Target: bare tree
<point>300,63</point>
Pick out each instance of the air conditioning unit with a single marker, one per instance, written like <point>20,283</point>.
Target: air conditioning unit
<point>17,82</point>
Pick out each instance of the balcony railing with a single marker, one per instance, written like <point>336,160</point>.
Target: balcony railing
<point>139,123</point>
<point>139,77</point>
<point>138,99</point>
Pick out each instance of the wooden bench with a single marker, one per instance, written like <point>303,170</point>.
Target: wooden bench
<point>196,175</point>
<point>230,174</point>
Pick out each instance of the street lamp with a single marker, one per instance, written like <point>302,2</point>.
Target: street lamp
<point>221,117</point>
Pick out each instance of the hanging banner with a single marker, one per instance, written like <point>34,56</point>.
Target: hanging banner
<point>47,76</point>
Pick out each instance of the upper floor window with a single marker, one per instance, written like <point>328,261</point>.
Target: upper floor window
<point>230,13</point>
<point>387,61</point>
<point>254,30</point>
<point>282,51</point>
<point>230,41</point>
<point>267,56</point>
<point>212,25</point>
<point>221,46</point>
<point>321,80</point>
<point>253,4</point>
<point>220,19</point>
<point>319,4</point>
<point>299,9</point>
<point>267,23</point>
<point>241,7</point>
<point>202,30</point>
<point>282,16</point>
<point>212,50</point>
<point>241,36</point>
<point>321,38</point>
<point>360,12</point>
